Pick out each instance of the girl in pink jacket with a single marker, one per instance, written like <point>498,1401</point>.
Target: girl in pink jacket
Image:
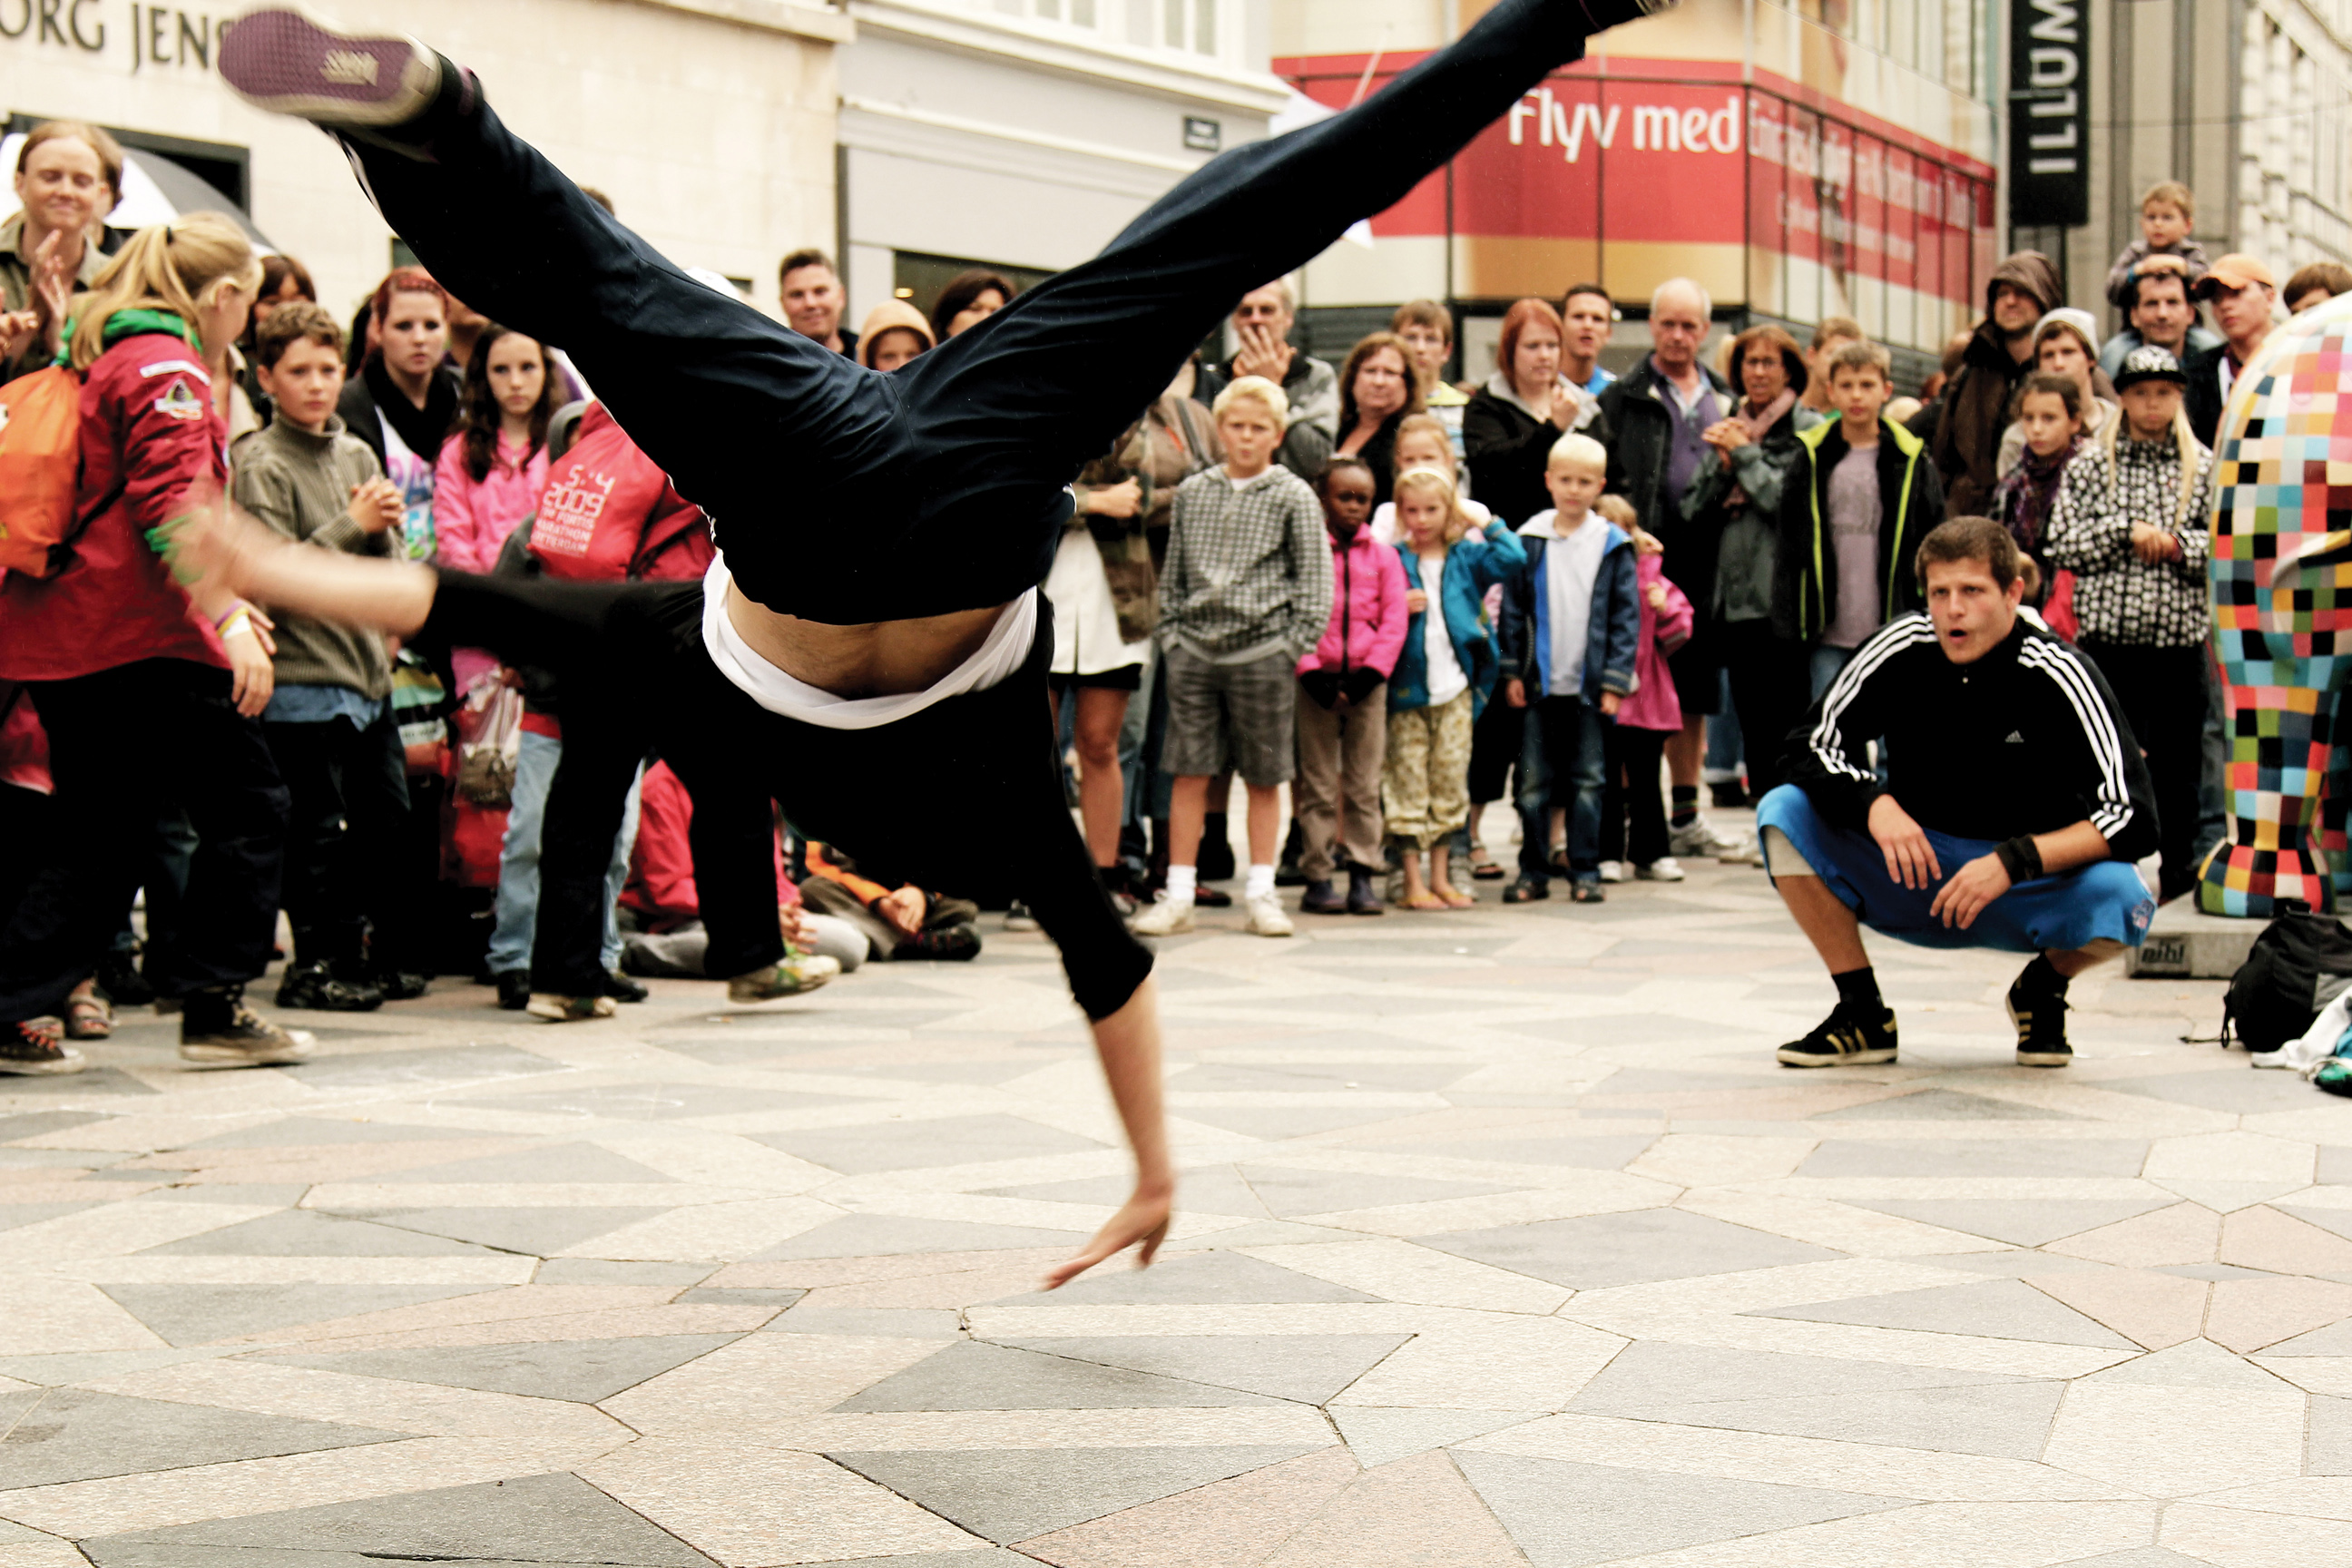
<point>494,466</point>
<point>1343,686</point>
<point>1637,740</point>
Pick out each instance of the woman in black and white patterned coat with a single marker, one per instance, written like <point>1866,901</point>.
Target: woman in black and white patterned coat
<point>2132,522</point>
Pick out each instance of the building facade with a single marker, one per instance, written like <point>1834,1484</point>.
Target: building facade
<point>1803,161</point>
<point>708,122</point>
<point>2248,102</point>
<point>1024,134</point>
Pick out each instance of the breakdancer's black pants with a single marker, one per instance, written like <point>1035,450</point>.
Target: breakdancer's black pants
<point>847,496</point>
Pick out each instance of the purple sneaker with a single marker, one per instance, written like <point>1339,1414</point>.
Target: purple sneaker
<point>281,59</point>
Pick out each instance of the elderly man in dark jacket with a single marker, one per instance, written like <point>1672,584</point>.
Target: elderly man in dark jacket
<point>1653,421</point>
<point>1966,442</point>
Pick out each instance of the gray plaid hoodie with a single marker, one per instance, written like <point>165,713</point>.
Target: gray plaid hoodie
<point>1249,570</point>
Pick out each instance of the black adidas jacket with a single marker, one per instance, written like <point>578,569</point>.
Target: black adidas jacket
<point>2026,740</point>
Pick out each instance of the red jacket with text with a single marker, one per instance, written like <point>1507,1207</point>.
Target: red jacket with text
<point>148,437</point>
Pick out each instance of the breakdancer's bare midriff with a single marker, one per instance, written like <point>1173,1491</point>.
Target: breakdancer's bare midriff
<point>880,658</point>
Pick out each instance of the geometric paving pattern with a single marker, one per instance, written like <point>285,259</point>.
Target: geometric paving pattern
<point>1503,1244</point>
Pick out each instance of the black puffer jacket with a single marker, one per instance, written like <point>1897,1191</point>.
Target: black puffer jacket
<point>1966,443</point>
<point>1636,424</point>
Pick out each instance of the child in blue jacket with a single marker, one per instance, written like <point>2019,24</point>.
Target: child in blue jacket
<point>1441,678</point>
<point>1572,625</point>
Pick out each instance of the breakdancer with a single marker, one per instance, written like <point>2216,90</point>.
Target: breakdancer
<point>870,646</point>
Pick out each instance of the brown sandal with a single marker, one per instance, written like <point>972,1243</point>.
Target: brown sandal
<point>89,1018</point>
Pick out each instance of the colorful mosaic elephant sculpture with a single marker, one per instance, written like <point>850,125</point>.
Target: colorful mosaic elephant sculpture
<point>2282,582</point>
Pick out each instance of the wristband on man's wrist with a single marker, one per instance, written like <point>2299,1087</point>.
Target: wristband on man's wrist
<point>236,607</point>
<point>2021,857</point>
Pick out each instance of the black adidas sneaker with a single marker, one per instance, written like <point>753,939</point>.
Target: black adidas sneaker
<point>2040,1019</point>
<point>1842,1040</point>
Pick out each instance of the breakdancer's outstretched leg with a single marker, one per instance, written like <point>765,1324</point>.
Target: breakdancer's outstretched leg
<point>870,647</point>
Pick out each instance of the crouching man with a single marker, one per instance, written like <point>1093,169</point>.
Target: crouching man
<point>2016,806</point>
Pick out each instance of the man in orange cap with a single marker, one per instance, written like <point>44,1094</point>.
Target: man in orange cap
<point>2241,293</point>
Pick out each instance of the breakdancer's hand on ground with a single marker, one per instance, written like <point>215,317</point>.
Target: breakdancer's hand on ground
<point>1143,1219</point>
<point>1128,1041</point>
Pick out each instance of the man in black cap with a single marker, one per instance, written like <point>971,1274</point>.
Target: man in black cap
<point>2132,523</point>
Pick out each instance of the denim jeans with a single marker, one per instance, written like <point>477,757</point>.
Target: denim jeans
<point>1564,751</point>
<point>517,905</point>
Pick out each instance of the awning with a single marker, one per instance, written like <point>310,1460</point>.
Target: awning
<point>154,190</point>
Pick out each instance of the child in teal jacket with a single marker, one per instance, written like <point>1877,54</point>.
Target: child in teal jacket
<point>1442,677</point>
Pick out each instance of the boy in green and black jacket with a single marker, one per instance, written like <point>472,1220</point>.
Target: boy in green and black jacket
<point>1848,531</point>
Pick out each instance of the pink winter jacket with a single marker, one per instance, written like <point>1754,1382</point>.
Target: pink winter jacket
<point>471,517</point>
<point>1367,614</point>
<point>1654,705</point>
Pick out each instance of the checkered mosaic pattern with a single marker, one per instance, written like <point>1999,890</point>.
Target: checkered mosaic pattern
<point>2282,581</point>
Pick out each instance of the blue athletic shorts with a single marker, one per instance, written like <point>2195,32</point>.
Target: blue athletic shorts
<point>2102,902</point>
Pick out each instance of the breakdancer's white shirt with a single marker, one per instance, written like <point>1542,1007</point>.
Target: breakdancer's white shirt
<point>994,661</point>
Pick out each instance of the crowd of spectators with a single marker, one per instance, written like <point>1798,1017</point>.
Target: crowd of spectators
<point>1404,595</point>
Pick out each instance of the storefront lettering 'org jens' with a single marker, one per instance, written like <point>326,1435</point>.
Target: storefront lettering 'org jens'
<point>145,37</point>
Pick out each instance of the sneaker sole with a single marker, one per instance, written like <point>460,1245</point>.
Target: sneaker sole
<point>559,1009</point>
<point>1788,1058</point>
<point>1261,930</point>
<point>280,58</point>
<point>239,1056</point>
<point>66,1067</point>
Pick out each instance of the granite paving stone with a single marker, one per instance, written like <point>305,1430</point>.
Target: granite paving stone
<point>978,1376</point>
<point>207,1314</point>
<point>1309,1368</point>
<point>1204,1279</point>
<point>1976,1156</point>
<point>582,1370</point>
<point>1227,1524</point>
<point>1651,1377</point>
<point>1413,1511</point>
<point>1943,1105</point>
<point>57,1435</point>
<point>551,1519</point>
<point>1011,1495</point>
<point>1646,1245</point>
<point>541,1232</point>
<point>1994,1308</point>
<point>1502,1243</point>
<point>2027,1222</point>
<point>553,1162</point>
<point>1287,1194</point>
<point>313,1233</point>
<point>891,1236</point>
<point>925,1143</point>
<point>1565,1515</point>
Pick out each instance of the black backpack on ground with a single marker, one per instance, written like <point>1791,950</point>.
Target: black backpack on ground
<point>2300,963</point>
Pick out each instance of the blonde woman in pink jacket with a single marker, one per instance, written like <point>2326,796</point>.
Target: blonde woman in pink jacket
<point>494,465</point>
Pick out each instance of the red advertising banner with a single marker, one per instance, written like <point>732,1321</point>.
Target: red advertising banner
<point>1836,213</point>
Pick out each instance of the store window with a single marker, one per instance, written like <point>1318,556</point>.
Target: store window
<point>1194,26</point>
<point>920,278</point>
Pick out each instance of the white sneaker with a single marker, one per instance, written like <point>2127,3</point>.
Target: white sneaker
<point>1166,917</point>
<point>1699,837</point>
<point>1266,917</point>
<point>1665,868</point>
<point>1612,870</point>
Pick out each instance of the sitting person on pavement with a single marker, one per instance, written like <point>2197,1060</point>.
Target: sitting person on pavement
<point>660,912</point>
<point>2016,804</point>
